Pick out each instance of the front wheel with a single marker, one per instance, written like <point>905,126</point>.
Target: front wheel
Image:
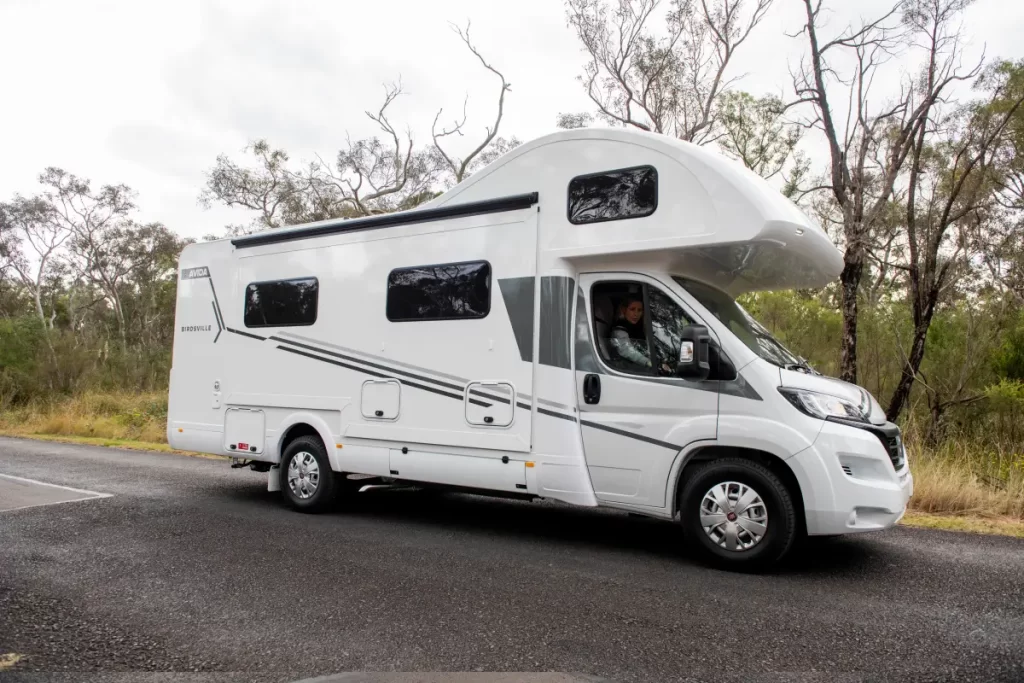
<point>739,513</point>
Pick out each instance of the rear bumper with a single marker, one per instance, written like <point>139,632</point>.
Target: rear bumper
<point>855,485</point>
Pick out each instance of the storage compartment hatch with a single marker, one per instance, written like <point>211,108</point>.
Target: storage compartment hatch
<point>244,430</point>
<point>381,399</point>
<point>490,404</point>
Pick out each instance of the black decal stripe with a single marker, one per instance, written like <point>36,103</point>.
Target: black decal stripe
<point>393,371</point>
<point>219,329</point>
<point>545,411</point>
<point>496,399</point>
<point>214,306</point>
<point>613,430</point>
<point>511,203</point>
<point>631,435</point>
<point>216,303</point>
<point>347,366</point>
<point>245,334</point>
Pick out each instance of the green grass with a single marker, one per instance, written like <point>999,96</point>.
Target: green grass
<point>109,443</point>
<point>976,525</point>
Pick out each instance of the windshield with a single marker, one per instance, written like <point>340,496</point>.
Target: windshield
<point>740,323</point>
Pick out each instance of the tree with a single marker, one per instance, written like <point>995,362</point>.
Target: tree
<point>754,131</point>
<point>379,174</point>
<point>96,224</point>
<point>869,141</point>
<point>1004,257</point>
<point>32,220</point>
<point>951,190</point>
<point>670,84</point>
<point>480,155</point>
<point>369,176</point>
<point>10,254</point>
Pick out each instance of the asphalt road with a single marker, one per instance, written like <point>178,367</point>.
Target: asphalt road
<point>193,567</point>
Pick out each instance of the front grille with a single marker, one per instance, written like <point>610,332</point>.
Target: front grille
<point>894,446</point>
<point>888,434</point>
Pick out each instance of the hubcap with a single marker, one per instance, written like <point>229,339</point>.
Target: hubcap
<point>303,475</point>
<point>734,516</point>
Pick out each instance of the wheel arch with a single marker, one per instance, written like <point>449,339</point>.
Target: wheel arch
<point>703,452</point>
<point>306,424</point>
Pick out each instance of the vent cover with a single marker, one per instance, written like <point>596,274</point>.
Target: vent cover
<point>848,470</point>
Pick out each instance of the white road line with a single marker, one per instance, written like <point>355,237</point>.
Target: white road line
<point>94,494</point>
<point>56,502</point>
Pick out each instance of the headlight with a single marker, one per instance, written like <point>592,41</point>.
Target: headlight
<point>823,406</point>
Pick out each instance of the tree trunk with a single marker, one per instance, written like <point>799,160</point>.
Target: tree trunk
<point>909,373</point>
<point>850,278</point>
<point>935,427</point>
<point>39,306</point>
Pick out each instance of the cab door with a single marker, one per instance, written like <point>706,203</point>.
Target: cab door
<point>636,415</point>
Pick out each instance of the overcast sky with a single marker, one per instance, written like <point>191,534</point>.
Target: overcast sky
<point>149,93</point>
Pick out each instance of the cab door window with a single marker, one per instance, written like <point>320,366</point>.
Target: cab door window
<point>637,328</point>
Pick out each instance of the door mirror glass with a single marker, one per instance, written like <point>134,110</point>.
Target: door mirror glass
<point>685,353</point>
<point>693,353</point>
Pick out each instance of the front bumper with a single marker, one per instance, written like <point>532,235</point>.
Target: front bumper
<point>856,484</point>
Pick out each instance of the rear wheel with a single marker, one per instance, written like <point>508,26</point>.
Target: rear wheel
<point>307,481</point>
<point>739,514</point>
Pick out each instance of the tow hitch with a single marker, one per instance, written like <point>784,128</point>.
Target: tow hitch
<point>254,465</point>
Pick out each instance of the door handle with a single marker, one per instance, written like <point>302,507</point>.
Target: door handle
<point>591,389</point>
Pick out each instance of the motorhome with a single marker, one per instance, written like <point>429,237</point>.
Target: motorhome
<point>561,325</point>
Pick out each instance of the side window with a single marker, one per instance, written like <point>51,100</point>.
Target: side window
<point>620,326</point>
<point>281,303</point>
<point>637,327</point>
<point>613,195</point>
<point>451,291</point>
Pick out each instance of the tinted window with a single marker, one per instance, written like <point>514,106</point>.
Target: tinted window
<point>667,323</point>
<point>631,321</point>
<point>619,326</point>
<point>443,292</point>
<point>281,303</point>
<point>609,196</point>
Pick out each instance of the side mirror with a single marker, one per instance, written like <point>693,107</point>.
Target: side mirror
<point>693,353</point>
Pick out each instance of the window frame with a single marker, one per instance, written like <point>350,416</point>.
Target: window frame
<point>316,312</point>
<point>651,373</point>
<point>568,194</point>
<point>490,288</point>
<point>647,328</point>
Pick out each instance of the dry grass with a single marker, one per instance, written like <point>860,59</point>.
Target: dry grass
<point>111,416</point>
<point>8,660</point>
<point>961,478</point>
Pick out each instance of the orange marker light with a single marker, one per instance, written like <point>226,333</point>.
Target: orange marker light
<point>529,463</point>
<point>338,445</point>
<point>180,429</point>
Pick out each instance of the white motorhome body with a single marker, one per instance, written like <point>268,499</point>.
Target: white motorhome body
<point>478,342</point>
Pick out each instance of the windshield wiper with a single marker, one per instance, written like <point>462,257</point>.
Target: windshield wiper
<point>801,366</point>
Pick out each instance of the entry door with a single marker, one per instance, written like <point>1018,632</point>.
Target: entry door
<point>636,414</point>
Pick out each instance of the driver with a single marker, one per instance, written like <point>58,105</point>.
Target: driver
<point>629,336</point>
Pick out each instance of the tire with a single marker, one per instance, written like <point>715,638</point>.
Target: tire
<point>734,542</point>
<point>314,487</point>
